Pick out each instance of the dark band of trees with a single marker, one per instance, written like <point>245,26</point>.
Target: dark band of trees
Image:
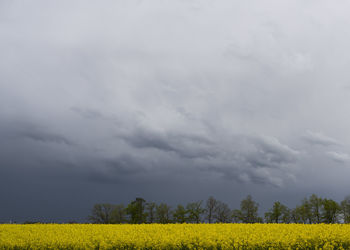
<point>311,210</point>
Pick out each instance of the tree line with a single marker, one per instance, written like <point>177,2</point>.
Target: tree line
<point>311,210</point>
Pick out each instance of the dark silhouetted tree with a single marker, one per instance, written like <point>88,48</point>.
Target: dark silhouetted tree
<point>101,213</point>
<point>163,213</point>
<point>118,214</point>
<point>222,213</point>
<point>180,214</point>
<point>330,211</point>
<point>248,212</point>
<point>345,209</point>
<point>277,214</point>
<point>315,207</point>
<point>302,213</point>
<point>195,211</point>
<point>135,210</point>
<point>210,208</point>
<point>150,210</point>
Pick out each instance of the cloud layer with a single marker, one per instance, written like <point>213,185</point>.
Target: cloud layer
<point>158,98</point>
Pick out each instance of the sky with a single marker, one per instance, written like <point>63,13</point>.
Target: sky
<point>172,101</point>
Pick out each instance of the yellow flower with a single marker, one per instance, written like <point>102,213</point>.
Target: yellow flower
<point>190,236</point>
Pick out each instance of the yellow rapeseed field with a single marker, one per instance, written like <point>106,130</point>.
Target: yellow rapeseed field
<point>175,236</point>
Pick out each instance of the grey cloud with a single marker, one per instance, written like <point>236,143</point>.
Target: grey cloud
<point>249,158</point>
<point>259,159</point>
<point>119,169</point>
<point>125,164</point>
<point>316,138</point>
<point>46,137</point>
<point>185,145</point>
<point>148,139</point>
<point>88,113</point>
<point>18,130</point>
<point>274,151</point>
<point>136,95</point>
<point>339,157</point>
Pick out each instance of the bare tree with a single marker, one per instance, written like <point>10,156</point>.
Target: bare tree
<point>118,214</point>
<point>101,213</point>
<point>150,210</point>
<point>302,213</point>
<point>237,216</point>
<point>315,206</point>
<point>211,206</point>
<point>345,209</point>
<point>222,213</point>
<point>163,213</point>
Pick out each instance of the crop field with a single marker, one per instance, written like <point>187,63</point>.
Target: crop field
<point>175,236</point>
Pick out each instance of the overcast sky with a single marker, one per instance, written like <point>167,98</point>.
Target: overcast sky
<point>172,101</point>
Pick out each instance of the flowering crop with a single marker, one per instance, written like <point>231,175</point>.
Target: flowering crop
<point>175,236</point>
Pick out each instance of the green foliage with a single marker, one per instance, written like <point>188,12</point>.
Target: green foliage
<point>279,213</point>
<point>118,214</point>
<point>163,213</point>
<point>311,210</point>
<point>330,211</point>
<point>195,211</point>
<point>248,212</point>
<point>302,213</point>
<point>135,210</point>
<point>315,207</point>
<point>180,214</point>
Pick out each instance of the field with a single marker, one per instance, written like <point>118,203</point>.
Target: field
<point>175,236</point>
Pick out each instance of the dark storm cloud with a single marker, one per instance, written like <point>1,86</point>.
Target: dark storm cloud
<point>24,130</point>
<point>116,170</point>
<point>171,100</point>
<point>248,158</point>
<point>259,159</point>
<point>184,145</point>
<point>45,137</point>
<point>143,139</point>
